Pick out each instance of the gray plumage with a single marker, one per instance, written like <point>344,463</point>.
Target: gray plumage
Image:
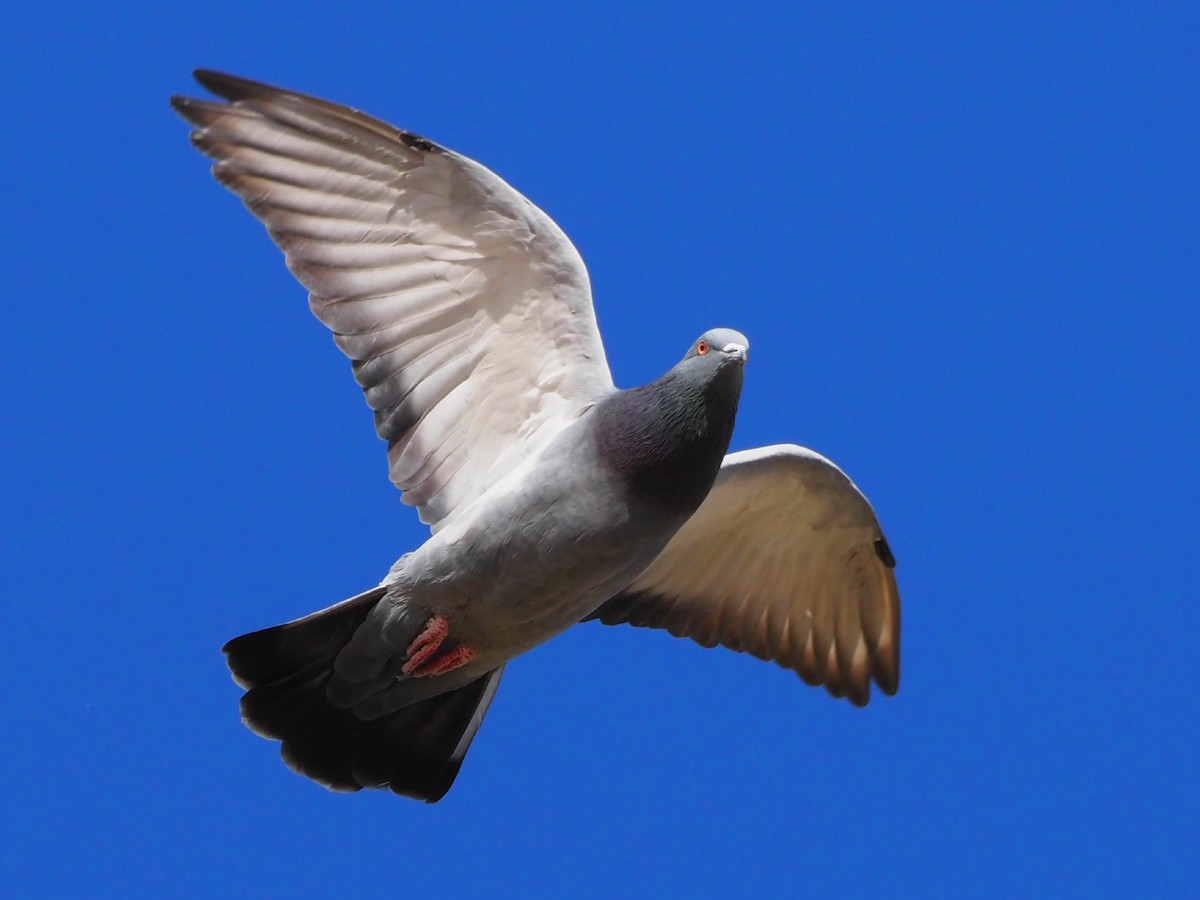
<point>553,496</point>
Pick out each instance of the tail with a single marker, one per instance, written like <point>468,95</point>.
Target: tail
<point>416,750</point>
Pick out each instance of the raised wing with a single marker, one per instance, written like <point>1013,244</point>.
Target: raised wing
<point>784,560</point>
<point>465,309</point>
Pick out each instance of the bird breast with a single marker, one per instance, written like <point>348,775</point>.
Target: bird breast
<point>541,551</point>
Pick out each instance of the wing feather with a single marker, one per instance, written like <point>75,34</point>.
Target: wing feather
<point>449,291</point>
<point>784,560</point>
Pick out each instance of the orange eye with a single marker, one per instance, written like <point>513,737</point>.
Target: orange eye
<point>702,347</point>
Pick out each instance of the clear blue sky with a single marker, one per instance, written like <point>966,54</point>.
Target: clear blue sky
<point>963,241</point>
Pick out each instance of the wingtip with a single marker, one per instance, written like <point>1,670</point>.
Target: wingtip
<point>183,106</point>
<point>194,111</point>
<point>884,552</point>
<point>887,676</point>
<point>231,87</point>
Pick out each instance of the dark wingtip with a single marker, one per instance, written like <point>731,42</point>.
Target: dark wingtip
<point>887,674</point>
<point>884,552</point>
<point>185,107</point>
<point>228,86</point>
<point>421,145</point>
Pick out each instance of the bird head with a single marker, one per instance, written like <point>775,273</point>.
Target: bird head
<point>720,346</point>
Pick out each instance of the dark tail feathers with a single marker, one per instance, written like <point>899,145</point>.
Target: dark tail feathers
<point>416,751</point>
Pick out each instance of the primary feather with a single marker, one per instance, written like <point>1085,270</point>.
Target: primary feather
<point>465,310</point>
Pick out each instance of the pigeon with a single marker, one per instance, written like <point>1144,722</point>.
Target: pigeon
<point>552,496</point>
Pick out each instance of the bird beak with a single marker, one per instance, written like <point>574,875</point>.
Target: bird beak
<point>738,351</point>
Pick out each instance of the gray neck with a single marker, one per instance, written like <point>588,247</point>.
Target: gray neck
<point>666,440</point>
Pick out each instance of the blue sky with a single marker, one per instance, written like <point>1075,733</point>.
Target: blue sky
<point>963,241</point>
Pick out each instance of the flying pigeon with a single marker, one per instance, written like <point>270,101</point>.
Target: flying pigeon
<point>552,496</point>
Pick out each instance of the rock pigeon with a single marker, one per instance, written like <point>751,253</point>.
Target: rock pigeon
<point>553,497</point>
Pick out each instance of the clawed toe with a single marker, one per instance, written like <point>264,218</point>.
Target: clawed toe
<point>424,658</point>
<point>448,661</point>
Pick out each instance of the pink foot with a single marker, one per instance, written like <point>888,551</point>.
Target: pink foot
<point>425,645</point>
<point>423,657</point>
<point>448,661</point>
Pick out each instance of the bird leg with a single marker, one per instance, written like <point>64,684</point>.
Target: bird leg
<point>423,657</point>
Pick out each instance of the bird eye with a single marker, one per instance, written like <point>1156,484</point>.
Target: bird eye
<point>702,347</point>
